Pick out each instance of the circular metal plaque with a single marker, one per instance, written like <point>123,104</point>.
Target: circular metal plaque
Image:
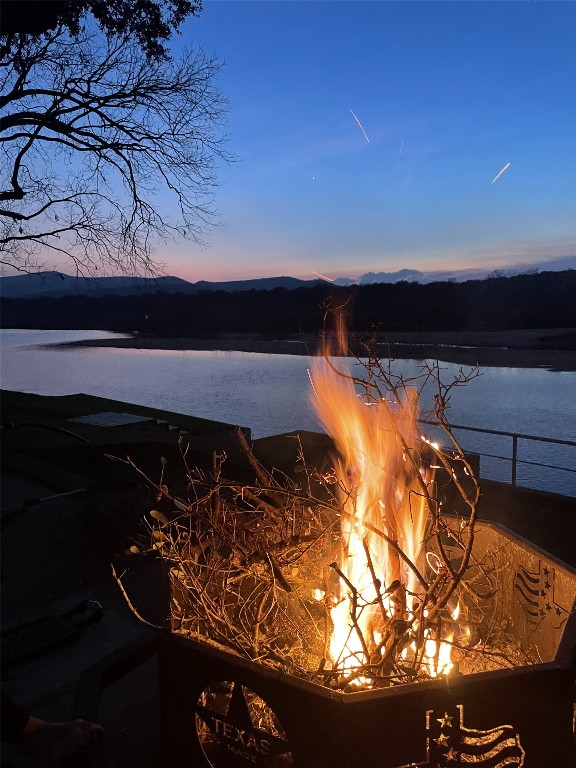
<point>238,729</point>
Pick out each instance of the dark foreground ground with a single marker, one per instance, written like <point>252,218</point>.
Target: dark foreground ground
<point>68,512</point>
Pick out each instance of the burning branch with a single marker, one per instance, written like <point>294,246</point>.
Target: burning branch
<point>352,577</point>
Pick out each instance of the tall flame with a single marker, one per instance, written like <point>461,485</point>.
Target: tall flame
<point>379,487</point>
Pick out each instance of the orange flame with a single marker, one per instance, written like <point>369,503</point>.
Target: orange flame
<point>378,484</point>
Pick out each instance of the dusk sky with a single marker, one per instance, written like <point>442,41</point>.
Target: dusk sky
<point>368,135</point>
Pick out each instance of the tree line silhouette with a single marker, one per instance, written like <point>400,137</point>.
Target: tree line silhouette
<point>545,300</point>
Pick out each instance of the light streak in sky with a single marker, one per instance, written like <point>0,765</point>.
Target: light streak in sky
<point>330,280</point>
<point>360,125</point>
<point>501,172</point>
<point>401,150</point>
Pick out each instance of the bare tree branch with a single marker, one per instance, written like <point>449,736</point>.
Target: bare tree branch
<point>105,153</point>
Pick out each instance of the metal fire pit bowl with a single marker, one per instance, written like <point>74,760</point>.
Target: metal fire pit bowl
<point>221,711</point>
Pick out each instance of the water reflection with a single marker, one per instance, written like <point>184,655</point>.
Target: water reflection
<point>270,394</point>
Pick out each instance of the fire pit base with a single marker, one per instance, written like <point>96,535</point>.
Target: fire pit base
<point>524,714</point>
<point>222,711</point>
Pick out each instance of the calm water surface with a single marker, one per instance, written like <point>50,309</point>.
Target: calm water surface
<point>270,394</point>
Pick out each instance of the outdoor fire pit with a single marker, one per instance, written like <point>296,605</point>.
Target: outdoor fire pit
<point>221,711</point>
<point>355,611</point>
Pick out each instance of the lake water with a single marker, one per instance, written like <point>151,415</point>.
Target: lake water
<point>270,394</point>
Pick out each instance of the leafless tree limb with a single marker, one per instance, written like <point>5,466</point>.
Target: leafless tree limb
<point>105,153</point>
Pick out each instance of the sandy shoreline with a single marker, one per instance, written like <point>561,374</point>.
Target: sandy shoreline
<point>540,348</point>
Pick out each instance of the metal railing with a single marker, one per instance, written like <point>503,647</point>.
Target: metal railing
<point>513,458</point>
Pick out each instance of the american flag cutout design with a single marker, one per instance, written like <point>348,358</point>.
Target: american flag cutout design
<point>449,743</point>
<point>535,593</point>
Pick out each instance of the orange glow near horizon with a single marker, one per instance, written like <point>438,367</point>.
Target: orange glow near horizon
<point>238,267</point>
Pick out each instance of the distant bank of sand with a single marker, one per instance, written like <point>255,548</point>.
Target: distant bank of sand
<point>539,348</point>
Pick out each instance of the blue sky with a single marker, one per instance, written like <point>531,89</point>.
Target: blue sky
<point>447,93</point>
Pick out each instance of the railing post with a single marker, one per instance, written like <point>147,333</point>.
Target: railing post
<point>516,436</point>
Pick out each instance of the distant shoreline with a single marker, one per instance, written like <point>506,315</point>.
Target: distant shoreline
<point>553,349</point>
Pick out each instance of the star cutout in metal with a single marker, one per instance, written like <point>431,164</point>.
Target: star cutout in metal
<point>442,740</point>
<point>446,721</point>
<point>238,742</point>
<point>451,754</point>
